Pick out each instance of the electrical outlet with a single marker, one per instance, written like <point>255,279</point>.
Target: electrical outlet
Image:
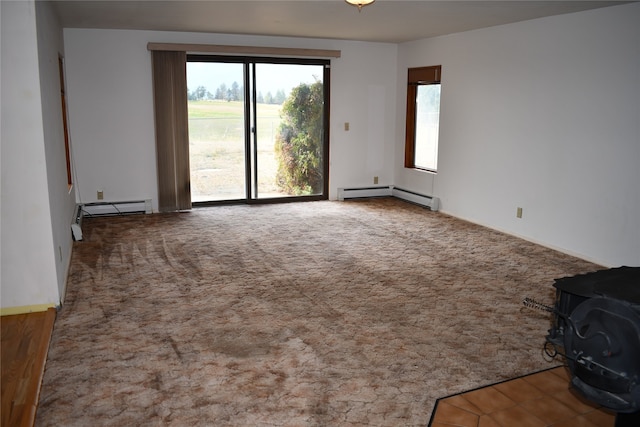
<point>100,195</point>
<point>375,179</point>
<point>519,212</point>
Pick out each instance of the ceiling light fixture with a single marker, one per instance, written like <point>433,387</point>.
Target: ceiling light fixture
<point>359,3</point>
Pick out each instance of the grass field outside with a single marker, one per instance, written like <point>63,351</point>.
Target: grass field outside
<point>216,150</point>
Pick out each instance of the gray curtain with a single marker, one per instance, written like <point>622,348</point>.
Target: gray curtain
<point>172,132</point>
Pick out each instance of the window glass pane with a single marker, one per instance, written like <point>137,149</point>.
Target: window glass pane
<point>216,130</point>
<point>427,126</point>
<point>289,130</point>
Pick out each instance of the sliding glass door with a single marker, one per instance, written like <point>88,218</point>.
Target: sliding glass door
<point>258,128</point>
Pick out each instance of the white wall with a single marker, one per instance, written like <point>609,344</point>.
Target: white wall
<point>111,108</point>
<point>362,94</point>
<point>62,200</point>
<point>543,115</point>
<point>28,260</point>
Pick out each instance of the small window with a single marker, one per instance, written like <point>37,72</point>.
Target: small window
<point>423,118</point>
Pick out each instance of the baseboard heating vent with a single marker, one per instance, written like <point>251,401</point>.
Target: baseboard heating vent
<point>430,202</point>
<point>76,224</point>
<point>116,208</point>
<point>106,209</point>
<point>358,193</point>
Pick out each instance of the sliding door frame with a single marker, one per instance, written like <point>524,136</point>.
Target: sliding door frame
<point>250,132</point>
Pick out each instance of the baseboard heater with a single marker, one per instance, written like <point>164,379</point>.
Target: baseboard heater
<point>76,225</point>
<point>106,209</point>
<point>430,202</point>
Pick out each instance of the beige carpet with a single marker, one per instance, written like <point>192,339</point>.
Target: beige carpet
<point>303,314</point>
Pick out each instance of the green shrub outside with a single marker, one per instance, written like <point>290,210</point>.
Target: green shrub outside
<point>298,144</point>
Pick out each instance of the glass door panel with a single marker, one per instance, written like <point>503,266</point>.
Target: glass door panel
<point>216,131</point>
<point>289,141</point>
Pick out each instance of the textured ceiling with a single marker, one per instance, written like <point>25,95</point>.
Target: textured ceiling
<point>391,21</point>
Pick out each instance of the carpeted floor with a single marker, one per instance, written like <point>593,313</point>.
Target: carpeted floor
<point>302,314</point>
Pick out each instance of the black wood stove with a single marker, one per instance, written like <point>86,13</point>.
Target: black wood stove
<point>596,328</point>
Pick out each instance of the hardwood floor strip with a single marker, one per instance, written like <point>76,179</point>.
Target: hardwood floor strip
<point>25,343</point>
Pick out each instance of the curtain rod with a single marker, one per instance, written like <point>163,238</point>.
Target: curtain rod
<point>244,50</point>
